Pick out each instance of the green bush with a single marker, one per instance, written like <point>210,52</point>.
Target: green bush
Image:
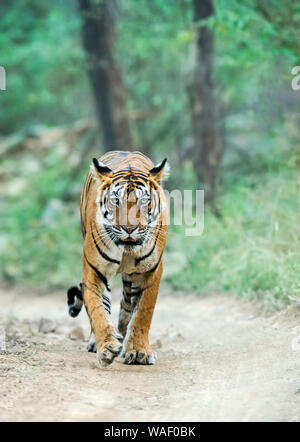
<point>254,249</point>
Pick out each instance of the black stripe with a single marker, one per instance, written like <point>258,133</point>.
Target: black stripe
<point>99,274</point>
<point>122,181</point>
<point>106,303</point>
<point>148,271</point>
<point>106,306</point>
<point>138,260</point>
<point>98,233</point>
<point>124,308</point>
<point>127,172</point>
<point>139,183</point>
<point>109,232</point>
<point>126,296</point>
<point>115,261</point>
<point>85,209</point>
<point>156,265</point>
<point>158,202</point>
<point>139,293</point>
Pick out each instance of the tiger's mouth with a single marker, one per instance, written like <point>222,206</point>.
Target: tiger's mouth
<point>129,239</point>
<point>130,242</point>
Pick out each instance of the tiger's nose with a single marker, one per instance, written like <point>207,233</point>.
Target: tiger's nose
<point>129,229</point>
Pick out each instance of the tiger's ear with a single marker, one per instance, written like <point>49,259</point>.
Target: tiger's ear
<point>101,170</point>
<point>160,171</point>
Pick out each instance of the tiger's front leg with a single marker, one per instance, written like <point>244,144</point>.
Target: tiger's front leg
<point>96,296</point>
<point>136,347</point>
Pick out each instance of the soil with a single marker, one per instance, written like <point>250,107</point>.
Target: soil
<point>219,359</point>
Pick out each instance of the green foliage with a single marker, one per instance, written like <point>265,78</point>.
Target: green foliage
<point>153,46</point>
<point>46,78</point>
<point>256,49</point>
<point>256,46</point>
<point>254,248</point>
<point>40,235</point>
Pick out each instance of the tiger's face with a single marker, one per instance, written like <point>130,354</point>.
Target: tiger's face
<point>128,217</point>
<point>129,203</point>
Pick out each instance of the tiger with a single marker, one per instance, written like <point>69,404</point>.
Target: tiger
<point>124,223</point>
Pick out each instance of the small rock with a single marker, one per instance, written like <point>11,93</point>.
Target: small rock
<point>46,326</point>
<point>158,343</point>
<point>77,334</point>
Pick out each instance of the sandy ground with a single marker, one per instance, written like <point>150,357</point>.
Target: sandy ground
<point>220,359</point>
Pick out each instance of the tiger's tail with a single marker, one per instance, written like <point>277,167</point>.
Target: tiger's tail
<point>75,300</point>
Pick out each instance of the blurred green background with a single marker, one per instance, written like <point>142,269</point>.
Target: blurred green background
<point>49,132</point>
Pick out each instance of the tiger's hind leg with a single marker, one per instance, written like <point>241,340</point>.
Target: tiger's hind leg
<point>125,306</point>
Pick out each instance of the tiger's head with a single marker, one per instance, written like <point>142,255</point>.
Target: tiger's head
<point>130,203</point>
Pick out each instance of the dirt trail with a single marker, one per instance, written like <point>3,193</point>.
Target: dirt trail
<point>220,359</point>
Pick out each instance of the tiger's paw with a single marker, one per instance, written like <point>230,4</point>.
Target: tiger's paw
<point>109,351</point>
<point>141,357</point>
<point>92,348</point>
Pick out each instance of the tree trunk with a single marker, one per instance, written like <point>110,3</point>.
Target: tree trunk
<point>109,91</point>
<point>207,156</point>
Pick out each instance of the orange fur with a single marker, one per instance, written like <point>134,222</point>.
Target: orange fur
<point>106,251</point>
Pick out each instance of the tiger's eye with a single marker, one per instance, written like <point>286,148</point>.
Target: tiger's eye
<point>114,200</point>
<point>144,200</point>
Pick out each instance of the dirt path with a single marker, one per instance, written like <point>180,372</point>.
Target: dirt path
<point>219,359</point>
